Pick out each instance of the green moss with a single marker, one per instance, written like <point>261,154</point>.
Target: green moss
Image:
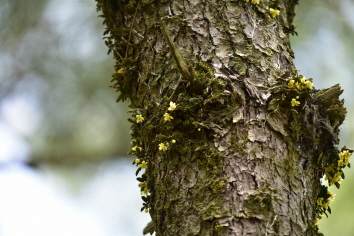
<point>215,89</point>
<point>130,7</point>
<point>238,65</point>
<point>217,227</point>
<point>219,185</point>
<point>197,102</point>
<point>214,210</point>
<point>202,70</point>
<point>259,203</point>
<point>217,85</point>
<point>147,2</point>
<point>202,67</point>
<point>295,125</point>
<point>238,144</point>
<point>289,164</point>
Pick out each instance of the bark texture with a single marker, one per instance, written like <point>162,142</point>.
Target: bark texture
<point>244,161</point>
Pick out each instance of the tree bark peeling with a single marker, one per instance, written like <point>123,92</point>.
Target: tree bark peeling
<point>237,167</point>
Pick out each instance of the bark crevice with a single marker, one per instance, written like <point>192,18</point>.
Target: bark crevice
<point>238,159</point>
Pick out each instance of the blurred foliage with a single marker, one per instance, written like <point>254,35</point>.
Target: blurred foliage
<point>324,51</point>
<point>53,56</point>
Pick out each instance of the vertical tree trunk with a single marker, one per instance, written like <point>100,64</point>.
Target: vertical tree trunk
<point>238,155</point>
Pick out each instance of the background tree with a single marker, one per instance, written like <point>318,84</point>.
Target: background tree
<point>45,46</point>
<point>232,139</point>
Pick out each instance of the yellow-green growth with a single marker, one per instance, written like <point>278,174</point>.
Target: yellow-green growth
<point>334,175</point>
<point>203,70</point>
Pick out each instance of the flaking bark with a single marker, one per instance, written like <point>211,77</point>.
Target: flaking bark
<point>240,166</point>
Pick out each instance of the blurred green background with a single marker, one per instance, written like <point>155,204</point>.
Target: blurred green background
<point>54,64</point>
<point>58,113</point>
<point>324,50</point>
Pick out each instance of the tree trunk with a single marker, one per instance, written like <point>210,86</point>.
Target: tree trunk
<point>243,151</point>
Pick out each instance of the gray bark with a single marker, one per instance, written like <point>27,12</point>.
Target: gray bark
<point>245,162</point>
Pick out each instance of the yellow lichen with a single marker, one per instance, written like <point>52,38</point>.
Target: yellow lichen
<point>303,83</point>
<point>143,165</point>
<point>139,118</point>
<point>274,12</point>
<point>135,148</point>
<point>294,102</point>
<point>167,117</point>
<point>163,147</point>
<point>344,158</point>
<point>172,106</point>
<point>253,1</point>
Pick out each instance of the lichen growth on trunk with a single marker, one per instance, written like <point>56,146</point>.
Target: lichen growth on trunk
<point>232,140</point>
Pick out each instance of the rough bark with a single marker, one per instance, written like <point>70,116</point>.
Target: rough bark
<point>244,161</point>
